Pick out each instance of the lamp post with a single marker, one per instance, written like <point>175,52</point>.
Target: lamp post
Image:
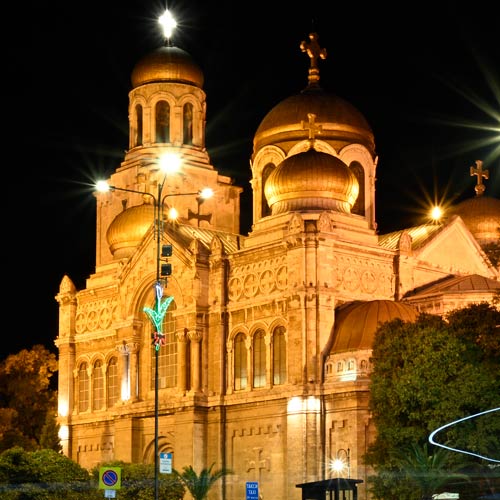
<point>340,463</point>
<point>168,163</point>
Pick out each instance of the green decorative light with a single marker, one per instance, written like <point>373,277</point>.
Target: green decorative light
<point>157,314</point>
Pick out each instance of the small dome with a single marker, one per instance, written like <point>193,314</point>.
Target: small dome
<point>341,122</point>
<point>356,322</point>
<point>167,63</point>
<point>311,180</point>
<point>481,215</point>
<point>128,229</point>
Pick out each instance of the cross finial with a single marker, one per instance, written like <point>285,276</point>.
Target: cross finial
<point>480,174</point>
<point>314,51</point>
<point>312,127</point>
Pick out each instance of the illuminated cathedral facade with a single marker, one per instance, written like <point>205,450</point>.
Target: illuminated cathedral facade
<point>265,368</point>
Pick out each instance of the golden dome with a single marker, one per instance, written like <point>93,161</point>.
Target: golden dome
<point>167,63</point>
<point>128,229</point>
<point>481,215</point>
<point>340,121</point>
<point>356,322</point>
<point>311,180</point>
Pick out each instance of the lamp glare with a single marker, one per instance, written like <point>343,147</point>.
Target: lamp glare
<point>170,163</point>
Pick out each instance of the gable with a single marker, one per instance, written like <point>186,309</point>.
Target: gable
<point>453,249</point>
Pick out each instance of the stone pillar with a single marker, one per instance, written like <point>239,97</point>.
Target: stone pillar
<point>195,337</point>
<point>125,381</point>
<point>133,349</point>
<point>181,359</point>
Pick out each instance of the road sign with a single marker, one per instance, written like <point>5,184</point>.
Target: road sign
<point>110,478</point>
<point>166,463</point>
<point>253,490</point>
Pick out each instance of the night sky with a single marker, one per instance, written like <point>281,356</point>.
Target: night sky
<point>426,75</point>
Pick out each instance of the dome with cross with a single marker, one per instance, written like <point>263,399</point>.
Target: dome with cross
<point>480,214</point>
<point>311,180</point>
<point>341,123</point>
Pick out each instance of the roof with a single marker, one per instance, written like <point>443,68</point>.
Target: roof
<point>188,233</point>
<point>457,284</point>
<point>419,236</point>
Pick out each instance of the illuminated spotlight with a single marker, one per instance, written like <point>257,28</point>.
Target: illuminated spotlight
<point>433,433</point>
<point>436,213</point>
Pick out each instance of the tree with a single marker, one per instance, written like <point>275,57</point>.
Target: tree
<point>138,482</point>
<point>200,485</point>
<point>49,437</point>
<point>427,374</point>
<point>43,475</point>
<point>26,396</point>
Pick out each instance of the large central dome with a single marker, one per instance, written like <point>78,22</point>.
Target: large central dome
<point>341,122</point>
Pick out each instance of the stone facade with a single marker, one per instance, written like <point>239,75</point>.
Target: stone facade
<point>247,379</point>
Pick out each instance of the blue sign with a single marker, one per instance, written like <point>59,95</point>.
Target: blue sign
<point>253,491</point>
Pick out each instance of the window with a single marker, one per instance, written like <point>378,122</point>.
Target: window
<point>187,124</point>
<point>240,362</point>
<point>259,359</point>
<point>138,125</point>
<point>359,205</point>
<point>167,354</point>
<point>162,122</point>
<point>112,381</point>
<point>266,172</point>
<point>279,356</point>
<point>97,386</point>
<point>83,388</point>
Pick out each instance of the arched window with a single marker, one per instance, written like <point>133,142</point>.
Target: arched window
<point>266,172</point>
<point>112,382</point>
<point>279,356</point>
<point>97,386</point>
<point>359,206</point>
<point>259,359</point>
<point>187,120</point>
<point>138,125</point>
<point>83,388</point>
<point>240,362</point>
<point>167,354</point>
<point>162,122</point>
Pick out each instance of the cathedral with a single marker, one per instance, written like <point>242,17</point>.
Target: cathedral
<point>264,361</point>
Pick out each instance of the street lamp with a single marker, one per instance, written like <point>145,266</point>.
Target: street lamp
<point>341,461</point>
<point>168,164</point>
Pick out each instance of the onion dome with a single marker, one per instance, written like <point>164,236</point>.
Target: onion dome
<point>481,215</point>
<point>311,180</point>
<point>167,63</point>
<point>356,322</point>
<point>128,229</point>
<point>341,121</point>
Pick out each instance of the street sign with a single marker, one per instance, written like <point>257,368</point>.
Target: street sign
<point>166,463</point>
<point>110,478</point>
<point>253,490</point>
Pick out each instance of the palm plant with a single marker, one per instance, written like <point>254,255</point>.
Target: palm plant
<point>200,485</point>
<point>429,472</point>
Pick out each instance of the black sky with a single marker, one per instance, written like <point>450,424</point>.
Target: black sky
<point>412,69</point>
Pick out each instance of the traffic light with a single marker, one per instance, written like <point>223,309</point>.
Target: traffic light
<point>166,250</point>
<point>166,267</point>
